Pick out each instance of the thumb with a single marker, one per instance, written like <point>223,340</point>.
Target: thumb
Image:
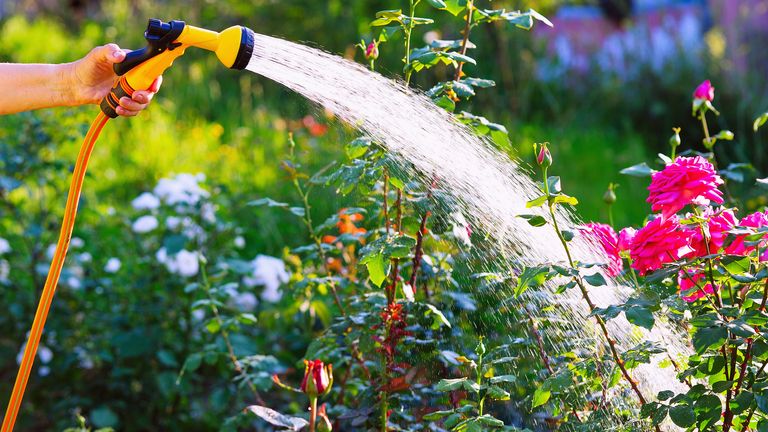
<point>109,53</point>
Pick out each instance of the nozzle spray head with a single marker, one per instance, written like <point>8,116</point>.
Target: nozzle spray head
<point>168,41</point>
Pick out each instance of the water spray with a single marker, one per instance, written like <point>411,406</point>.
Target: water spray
<point>165,43</point>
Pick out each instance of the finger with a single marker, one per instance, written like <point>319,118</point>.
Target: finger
<point>126,113</point>
<point>155,87</point>
<point>110,53</point>
<point>131,105</point>
<point>143,96</point>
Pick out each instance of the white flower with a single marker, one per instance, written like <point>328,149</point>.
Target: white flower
<point>269,272</point>
<point>76,242</point>
<point>183,188</point>
<point>85,360</point>
<point>461,229</point>
<point>45,354</point>
<point>239,242</point>
<point>246,301</point>
<point>113,265</point>
<point>146,201</point>
<point>5,270</point>
<point>44,371</point>
<point>208,212</point>
<point>74,282</point>
<point>198,315</point>
<point>85,257</point>
<point>145,224</point>
<point>5,247</point>
<point>172,222</point>
<point>183,263</point>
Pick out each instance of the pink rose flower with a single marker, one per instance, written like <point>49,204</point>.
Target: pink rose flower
<point>754,220</point>
<point>372,51</point>
<point>718,223</point>
<point>686,180</point>
<point>625,238</point>
<point>705,91</point>
<point>659,242</point>
<point>604,236</point>
<point>690,281</point>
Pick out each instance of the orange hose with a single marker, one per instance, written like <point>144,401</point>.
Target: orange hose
<point>54,272</point>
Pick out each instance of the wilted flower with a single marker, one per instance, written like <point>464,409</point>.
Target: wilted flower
<point>113,265</point>
<point>318,378</point>
<point>5,246</point>
<point>718,225</point>
<point>625,238</point>
<point>659,242</point>
<point>269,272</point>
<point>705,91</point>
<point>372,51</point>
<point>605,237</point>
<point>145,201</point>
<point>686,180</point>
<point>691,288</point>
<point>754,220</point>
<point>145,224</point>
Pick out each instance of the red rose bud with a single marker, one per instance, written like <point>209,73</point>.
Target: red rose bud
<point>705,91</point>
<point>318,378</point>
<point>544,157</point>
<point>372,51</point>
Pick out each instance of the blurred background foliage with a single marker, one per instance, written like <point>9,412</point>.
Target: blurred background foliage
<point>234,128</point>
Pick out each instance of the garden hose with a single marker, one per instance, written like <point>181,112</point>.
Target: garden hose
<point>166,42</point>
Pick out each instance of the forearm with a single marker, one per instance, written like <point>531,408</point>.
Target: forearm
<point>27,87</point>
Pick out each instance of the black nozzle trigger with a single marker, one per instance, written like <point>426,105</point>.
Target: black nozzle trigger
<point>160,36</point>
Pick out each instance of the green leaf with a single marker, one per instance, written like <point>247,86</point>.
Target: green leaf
<point>708,409</point>
<point>439,4</point>
<point>531,277</point>
<point>682,415</point>
<point>455,7</point>
<point>565,199</point>
<point>478,82</point>
<point>554,185</point>
<point>709,338</point>
<point>640,316</point>
<point>438,317</point>
<point>497,393</point>
<point>378,268</point>
<point>445,103</point>
<point>724,135</point>
<point>596,279</point>
<point>446,385</point>
<point>536,202</point>
<point>539,17</point>
<point>357,147</point>
<point>639,170</point>
<point>277,419</point>
<point>534,220</point>
<point>760,121</point>
<point>540,397</point>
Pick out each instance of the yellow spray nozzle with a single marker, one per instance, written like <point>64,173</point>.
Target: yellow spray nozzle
<point>165,43</point>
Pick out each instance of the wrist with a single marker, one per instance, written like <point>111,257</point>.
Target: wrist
<point>64,87</point>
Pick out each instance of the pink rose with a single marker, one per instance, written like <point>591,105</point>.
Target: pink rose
<point>754,220</point>
<point>659,242</point>
<point>625,238</point>
<point>605,237</point>
<point>693,285</point>
<point>372,51</point>
<point>718,225</point>
<point>704,91</point>
<point>687,180</point>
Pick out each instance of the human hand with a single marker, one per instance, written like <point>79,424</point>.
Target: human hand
<point>92,78</point>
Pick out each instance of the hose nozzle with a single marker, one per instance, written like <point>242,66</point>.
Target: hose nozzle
<point>168,41</point>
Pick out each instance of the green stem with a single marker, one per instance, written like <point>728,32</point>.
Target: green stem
<point>479,380</point>
<point>312,414</point>
<point>408,30</point>
<point>384,409</point>
<point>465,41</point>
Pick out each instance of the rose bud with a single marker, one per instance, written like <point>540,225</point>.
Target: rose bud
<point>544,157</point>
<point>318,378</point>
<point>705,91</point>
<point>372,51</point>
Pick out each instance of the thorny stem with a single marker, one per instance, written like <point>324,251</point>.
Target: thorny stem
<point>419,249</point>
<point>748,352</point>
<point>396,262</point>
<point>585,294</point>
<point>465,41</point>
<point>312,233</point>
<point>225,335</point>
<point>752,410</point>
<point>386,210</point>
